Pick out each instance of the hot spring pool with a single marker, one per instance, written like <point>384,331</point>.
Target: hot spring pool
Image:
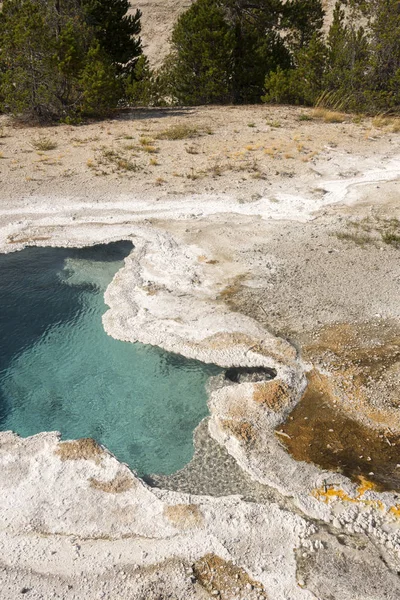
<point>59,370</point>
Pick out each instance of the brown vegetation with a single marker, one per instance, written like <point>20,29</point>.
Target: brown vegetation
<point>224,579</point>
<point>83,449</point>
<point>121,483</point>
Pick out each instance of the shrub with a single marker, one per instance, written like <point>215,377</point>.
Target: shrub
<point>56,63</point>
<point>44,144</point>
<point>180,131</point>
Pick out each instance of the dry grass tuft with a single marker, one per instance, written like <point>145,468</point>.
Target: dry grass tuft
<point>391,238</point>
<point>391,124</point>
<point>150,149</point>
<point>305,117</point>
<point>192,150</point>
<point>182,131</point>
<point>357,238</point>
<point>110,158</point>
<point>329,116</point>
<point>83,449</point>
<point>146,141</point>
<point>44,144</point>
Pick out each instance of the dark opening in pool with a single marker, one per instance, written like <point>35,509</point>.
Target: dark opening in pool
<point>254,374</point>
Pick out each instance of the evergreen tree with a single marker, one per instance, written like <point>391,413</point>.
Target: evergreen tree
<point>304,82</point>
<point>258,47</point>
<point>384,25</point>
<point>200,70</point>
<point>347,70</point>
<point>222,50</point>
<point>98,83</point>
<point>55,62</point>
<point>301,19</point>
<point>116,31</point>
<point>301,81</point>
<point>30,78</point>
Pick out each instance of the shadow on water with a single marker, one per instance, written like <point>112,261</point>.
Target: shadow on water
<point>28,308</point>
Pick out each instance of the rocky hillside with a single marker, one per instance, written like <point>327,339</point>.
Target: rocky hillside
<point>158,20</point>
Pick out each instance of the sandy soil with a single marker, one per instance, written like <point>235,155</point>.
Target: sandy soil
<point>263,237</point>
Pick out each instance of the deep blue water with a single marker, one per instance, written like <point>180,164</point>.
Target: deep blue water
<point>59,370</point>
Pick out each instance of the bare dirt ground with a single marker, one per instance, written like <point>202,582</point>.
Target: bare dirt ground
<point>246,152</point>
<point>264,236</point>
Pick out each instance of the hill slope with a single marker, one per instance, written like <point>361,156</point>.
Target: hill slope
<point>159,17</point>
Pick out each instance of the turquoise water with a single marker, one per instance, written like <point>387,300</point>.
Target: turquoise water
<point>59,370</point>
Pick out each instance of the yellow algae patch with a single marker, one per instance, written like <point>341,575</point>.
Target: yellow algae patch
<point>327,493</point>
<point>273,394</point>
<point>366,486</point>
<point>331,493</point>
<point>184,516</point>
<point>395,510</point>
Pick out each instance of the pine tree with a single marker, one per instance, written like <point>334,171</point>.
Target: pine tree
<point>98,83</point>
<point>258,47</point>
<point>222,50</point>
<point>30,78</point>
<point>384,24</point>
<point>302,19</point>
<point>116,31</point>
<point>301,81</point>
<point>202,59</point>
<point>57,61</point>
